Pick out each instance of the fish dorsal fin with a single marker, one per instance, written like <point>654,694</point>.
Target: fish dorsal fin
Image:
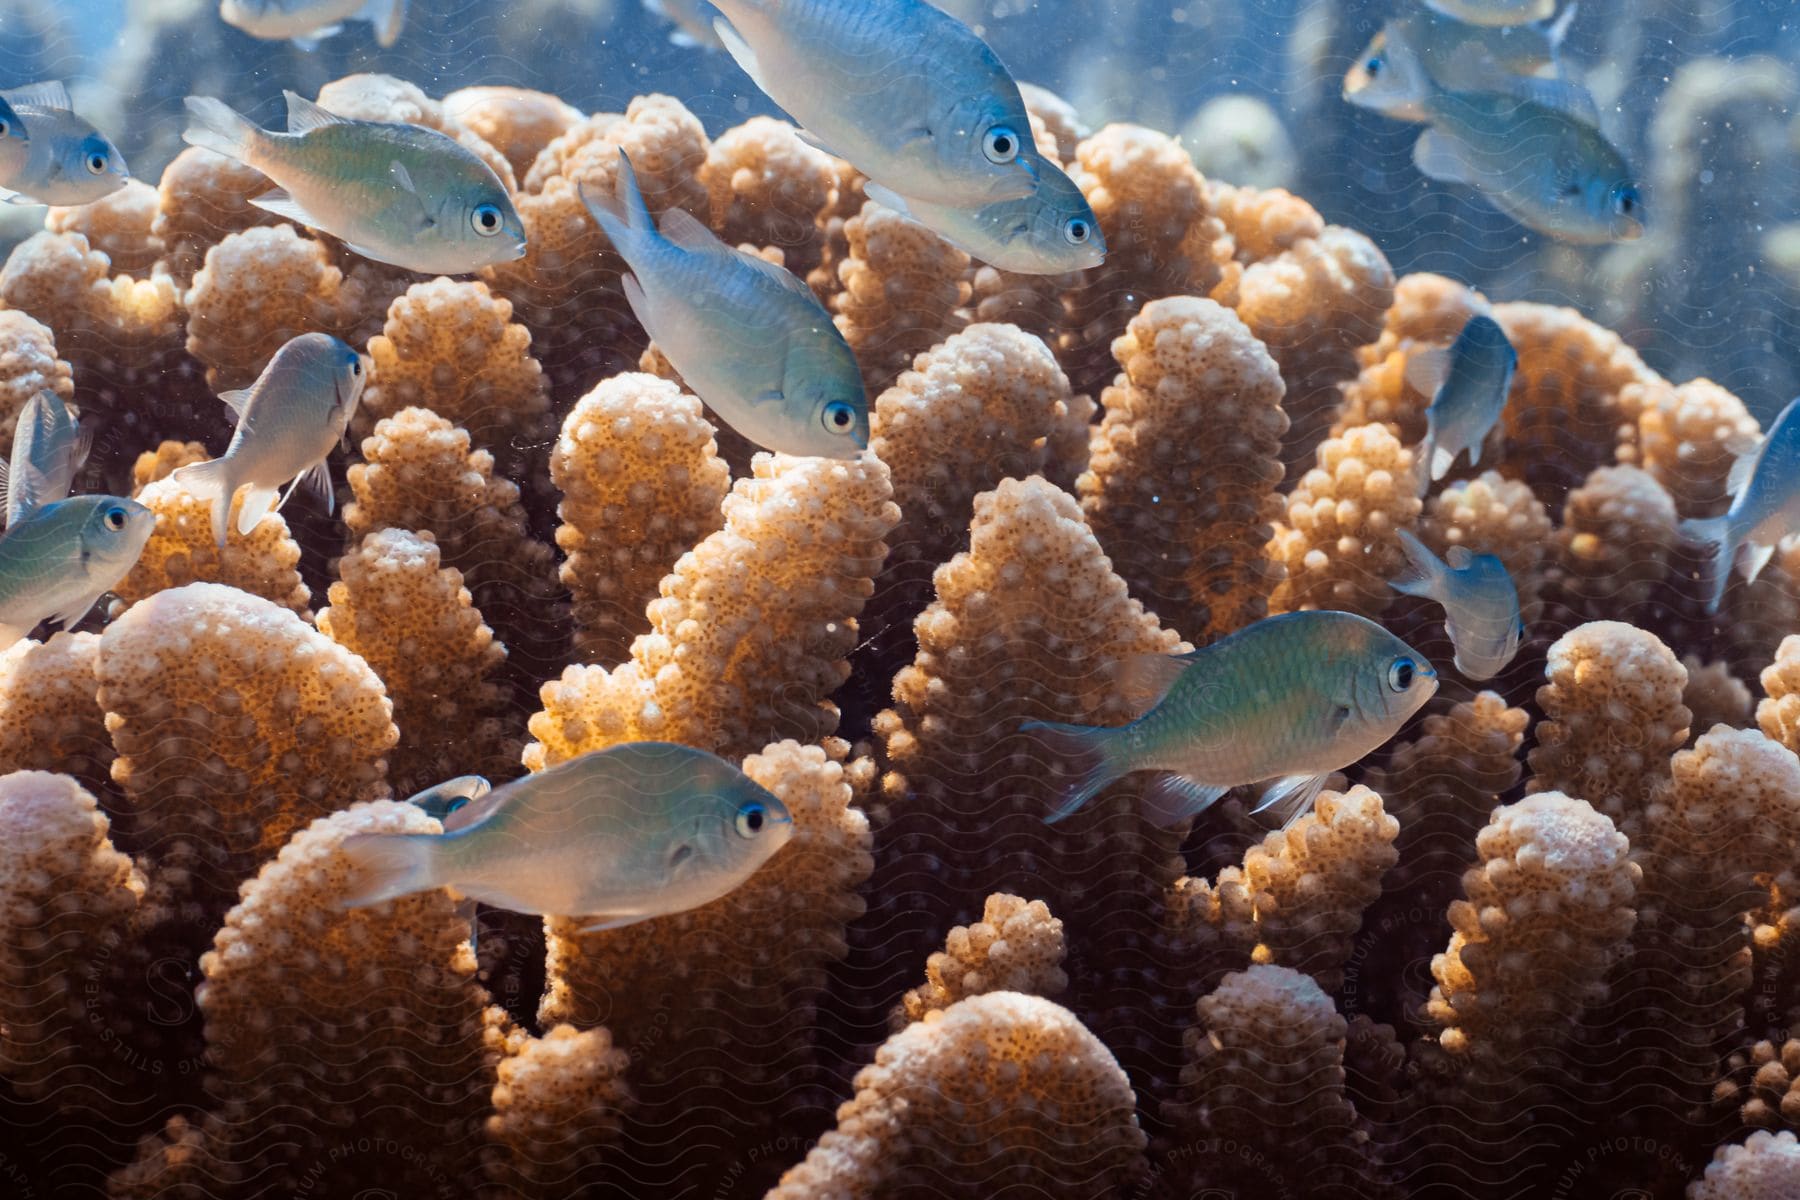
<point>48,94</point>
<point>684,229</point>
<point>1142,680</point>
<point>304,115</point>
<point>1459,558</point>
<point>1560,95</point>
<point>237,400</point>
<point>1426,370</point>
<point>787,280</point>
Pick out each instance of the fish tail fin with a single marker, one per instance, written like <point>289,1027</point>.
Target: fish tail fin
<point>214,125</point>
<point>1087,748</point>
<point>1557,28</point>
<point>622,216</point>
<point>209,481</point>
<point>1422,571</point>
<point>1711,534</point>
<point>386,865</point>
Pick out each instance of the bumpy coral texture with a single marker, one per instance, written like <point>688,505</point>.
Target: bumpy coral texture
<point>768,188</point>
<point>1613,548</point>
<point>28,365</point>
<point>642,483</point>
<point>1688,439</point>
<point>1493,515</point>
<point>162,462</point>
<point>1769,1093</point>
<point>902,289</point>
<point>518,122</point>
<point>558,1102</point>
<point>1428,311</point>
<point>1001,1090</point>
<point>1763,1167</point>
<point>412,622</point>
<point>118,225</point>
<point>257,290</point>
<point>1714,695</point>
<point>751,634</point>
<point>1181,484</point>
<point>182,549</point>
<point>49,718</point>
<point>1778,715</point>
<point>1338,543</point>
<point>1016,947</point>
<point>202,198</point>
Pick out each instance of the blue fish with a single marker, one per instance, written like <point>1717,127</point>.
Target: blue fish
<point>1480,602</point>
<point>1765,507</point>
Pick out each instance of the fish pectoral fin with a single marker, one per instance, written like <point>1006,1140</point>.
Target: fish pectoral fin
<point>1443,157</point>
<point>773,396</point>
<point>16,199</point>
<point>404,179</point>
<point>742,54</point>
<point>315,479</point>
<point>1741,470</point>
<point>311,41</point>
<point>1426,370</point>
<point>1442,459</point>
<point>71,614</point>
<point>257,501</point>
<point>1753,557</point>
<point>597,922</point>
<point>278,202</point>
<point>637,302</point>
<point>1290,796</point>
<point>812,139</point>
<point>1170,798</point>
<point>48,94</point>
<point>304,115</point>
<point>237,400</point>
<point>882,194</point>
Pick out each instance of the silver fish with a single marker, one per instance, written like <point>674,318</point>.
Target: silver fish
<point>693,22</point>
<point>396,193</point>
<point>287,423</point>
<point>905,92</point>
<point>14,144</point>
<point>1468,382</point>
<point>1765,508</point>
<point>748,337</point>
<point>1494,12</point>
<point>1290,698</point>
<point>1452,51</point>
<point>67,161</point>
<point>308,22</point>
<point>1481,605</point>
<point>621,835</point>
<point>47,450</point>
<point>1533,147</point>
<point>1049,232</point>
<point>59,558</point>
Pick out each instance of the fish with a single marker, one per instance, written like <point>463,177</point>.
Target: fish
<point>61,557</point>
<point>1050,232</point>
<point>1480,603</point>
<point>1532,147</point>
<point>903,91</point>
<point>48,449</point>
<point>452,796</point>
<point>1451,50</point>
<point>1765,508</point>
<point>1288,699</point>
<point>748,337</point>
<point>67,161</point>
<point>308,22</point>
<point>693,22</point>
<point>1468,383</point>
<point>14,143</point>
<point>396,193</point>
<point>1494,12</point>
<point>620,835</point>
<point>287,423</point>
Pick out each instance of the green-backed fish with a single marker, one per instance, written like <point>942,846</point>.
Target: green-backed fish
<point>1765,508</point>
<point>58,558</point>
<point>1468,382</point>
<point>67,161</point>
<point>1481,605</point>
<point>308,22</point>
<point>1049,232</point>
<point>1452,51</point>
<point>1494,12</point>
<point>1289,699</point>
<point>749,338</point>
<point>396,193</point>
<point>1533,147</point>
<point>905,92</point>
<point>287,423</point>
<point>621,835</point>
<point>48,449</point>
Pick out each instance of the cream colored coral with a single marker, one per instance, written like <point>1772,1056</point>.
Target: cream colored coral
<point>182,549</point>
<point>1493,515</point>
<point>1339,544</point>
<point>1762,1167</point>
<point>1456,768</point>
<point>1428,311</point>
<point>162,462</point>
<point>903,287</point>
<point>558,1101</point>
<point>114,329</point>
<point>1548,910</point>
<point>1768,1094</point>
<point>66,898</point>
<point>49,717</point>
<point>451,346</point>
<point>1058,117</point>
<point>1015,947</point>
<point>1727,817</point>
<point>754,626</point>
<point>1778,715</point>
<point>518,122</point>
<point>1612,716</point>
<point>1714,696</point>
<point>642,483</point>
<point>257,289</point>
<point>118,225</point>
<point>412,622</point>
<point>235,724</point>
<point>1181,485</point>
<point>1688,439</point>
<point>768,188</point>
<point>997,1087</point>
<point>28,365</point>
<point>202,199</point>
<point>1613,549</point>
<point>1262,222</point>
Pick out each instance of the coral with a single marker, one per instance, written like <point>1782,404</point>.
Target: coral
<point>413,624</point>
<point>1181,482</point>
<point>1613,549</point>
<point>28,365</point>
<point>118,225</point>
<point>768,188</point>
<point>182,549</point>
<point>1339,544</point>
<point>1762,1168</point>
<point>1714,695</point>
<point>517,122</point>
<point>902,289</point>
<point>751,633</point>
<point>1765,1086</point>
<point>1262,223</point>
<point>557,1103</point>
<point>202,199</point>
<point>1000,1092</point>
<point>641,484</point>
<point>49,718</point>
<point>258,289</point>
<point>1688,437</point>
<point>1778,715</point>
<point>1428,311</point>
<point>1493,515</point>
<point>1015,947</point>
<point>162,462</point>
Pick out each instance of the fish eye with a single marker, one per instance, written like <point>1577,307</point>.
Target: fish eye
<point>96,163</point>
<point>115,518</point>
<point>1077,231</point>
<point>1626,201</point>
<point>1401,673</point>
<point>5,127</point>
<point>487,219</point>
<point>1373,66</point>
<point>839,417</point>
<point>1001,145</point>
<point>356,367</point>
<point>751,818</point>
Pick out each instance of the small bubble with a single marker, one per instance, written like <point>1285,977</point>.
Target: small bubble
<point>1706,176</point>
